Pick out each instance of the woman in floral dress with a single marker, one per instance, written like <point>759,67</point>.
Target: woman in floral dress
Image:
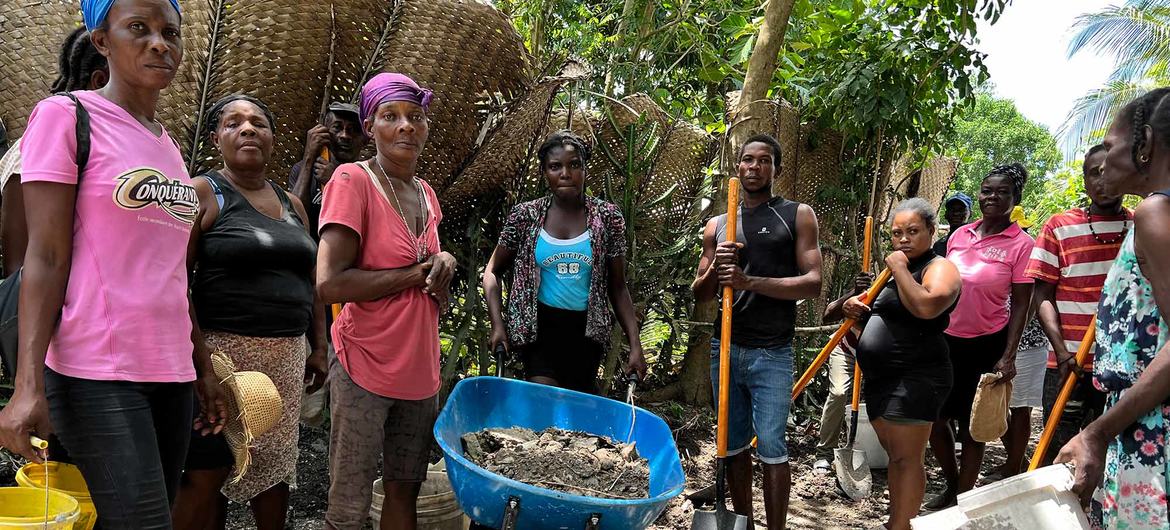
<point>1125,450</point>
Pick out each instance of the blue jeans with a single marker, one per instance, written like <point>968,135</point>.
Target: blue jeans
<point>129,440</point>
<point>759,399</point>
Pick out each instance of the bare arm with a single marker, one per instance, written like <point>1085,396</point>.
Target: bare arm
<point>808,261</point>
<point>833,312</point>
<point>939,289</point>
<point>316,365</point>
<point>623,306</point>
<point>13,226</point>
<point>707,278</point>
<point>1021,312</point>
<point>339,280</point>
<point>213,407</point>
<point>42,293</point>
<point>501,261</point>
<point>303,184</point>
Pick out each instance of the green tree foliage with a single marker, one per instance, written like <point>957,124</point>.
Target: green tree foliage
<point>994,132</point>
<point>1137,35</point>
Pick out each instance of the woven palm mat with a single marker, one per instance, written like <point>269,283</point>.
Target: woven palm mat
<point>508,145</point>
<point>908,178</point>
<point>295,57</point>
<point>32,33</point>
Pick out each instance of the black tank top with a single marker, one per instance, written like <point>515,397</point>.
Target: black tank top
<point>894,339</point>
<point>768,233</point>
<point>254,273</point>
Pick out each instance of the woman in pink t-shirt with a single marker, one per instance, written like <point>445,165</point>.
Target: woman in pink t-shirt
<point>991,255</point>
<point>105,349</point>
<point>380,256</point>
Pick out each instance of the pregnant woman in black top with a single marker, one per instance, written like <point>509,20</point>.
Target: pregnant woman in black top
<point>903,355</point>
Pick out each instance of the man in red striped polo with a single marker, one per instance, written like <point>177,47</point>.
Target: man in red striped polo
<point>1069,263</point>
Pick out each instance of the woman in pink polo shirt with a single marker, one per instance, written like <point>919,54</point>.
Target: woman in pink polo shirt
<point>107,344</point>
<point>991,255</point>
<point>380,256</point>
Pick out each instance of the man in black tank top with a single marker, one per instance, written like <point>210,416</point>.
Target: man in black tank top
<point>775,261</point>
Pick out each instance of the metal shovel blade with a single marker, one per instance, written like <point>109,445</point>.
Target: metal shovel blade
<point>852,472</point>
<point>719,519</point>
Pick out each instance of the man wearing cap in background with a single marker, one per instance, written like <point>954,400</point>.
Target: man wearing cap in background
<point>341,134</point>
<point>957,212</point>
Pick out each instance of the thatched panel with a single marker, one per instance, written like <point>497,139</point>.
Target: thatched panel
<point>32,35</point>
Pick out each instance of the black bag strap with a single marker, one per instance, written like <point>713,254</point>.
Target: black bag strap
<point>81,132</point>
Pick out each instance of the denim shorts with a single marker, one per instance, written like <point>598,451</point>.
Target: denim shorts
<point>759,399</point>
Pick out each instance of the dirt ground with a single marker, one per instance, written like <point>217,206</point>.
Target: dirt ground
<point>815,504</point>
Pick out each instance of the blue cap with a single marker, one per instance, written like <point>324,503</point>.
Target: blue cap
<point>961,197</point>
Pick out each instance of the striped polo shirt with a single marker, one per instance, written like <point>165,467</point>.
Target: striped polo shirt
<point>1068,255</point>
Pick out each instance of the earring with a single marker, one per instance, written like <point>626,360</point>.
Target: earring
<point>1144,159</point>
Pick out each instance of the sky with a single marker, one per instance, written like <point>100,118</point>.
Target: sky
<point>1027,57</point>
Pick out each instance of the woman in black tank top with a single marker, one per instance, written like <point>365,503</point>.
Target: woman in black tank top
<point>254,299</point>
<point>902,353</point>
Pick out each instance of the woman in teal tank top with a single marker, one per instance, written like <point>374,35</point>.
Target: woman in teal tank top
<point>567,255</point>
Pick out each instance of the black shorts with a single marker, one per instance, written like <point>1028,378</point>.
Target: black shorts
<point>208,452</point>
<point>909,398</point>
<point>970,359</point>
<point>562,352</point>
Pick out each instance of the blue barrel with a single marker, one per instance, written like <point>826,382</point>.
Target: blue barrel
<point>491,402</point>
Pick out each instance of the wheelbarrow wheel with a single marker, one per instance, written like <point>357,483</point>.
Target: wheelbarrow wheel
<point>511,514</point>
<point>594,522</point>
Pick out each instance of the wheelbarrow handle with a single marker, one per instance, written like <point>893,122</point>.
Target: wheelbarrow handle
<point>1070,382</point>
<point>500,352</point>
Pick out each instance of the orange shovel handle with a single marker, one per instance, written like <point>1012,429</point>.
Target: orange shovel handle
<point>866,253</point>
<point>1058,408</point>
<point>725,329</point>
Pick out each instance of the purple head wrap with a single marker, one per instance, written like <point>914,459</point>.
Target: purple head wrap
<point>392,87</point>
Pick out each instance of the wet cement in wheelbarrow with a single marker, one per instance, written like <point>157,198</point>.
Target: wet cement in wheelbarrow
<point>566,461</point>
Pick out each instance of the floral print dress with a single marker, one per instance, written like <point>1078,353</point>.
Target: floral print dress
<point>1129,334</point>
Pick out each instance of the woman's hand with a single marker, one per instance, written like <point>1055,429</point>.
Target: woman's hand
<point>1006,367</point>
<point>1086,453</point>
<point>212,404</point>
<point>897,261</point>
<point>442,271</point>
<point>499,337</point>
<point>854,308</point>
<point>637,362</point>
<point>26,414</point>
<point>316,368</point>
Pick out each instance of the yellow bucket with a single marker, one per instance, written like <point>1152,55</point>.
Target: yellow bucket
<point>65,478</point>
<point>24,509</point>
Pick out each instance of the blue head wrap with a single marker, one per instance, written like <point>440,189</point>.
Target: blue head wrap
<point>94,11</point>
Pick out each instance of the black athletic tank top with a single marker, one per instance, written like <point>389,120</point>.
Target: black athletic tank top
<point>894,339</point>
<point>254,273</point>
<point>768,233</point>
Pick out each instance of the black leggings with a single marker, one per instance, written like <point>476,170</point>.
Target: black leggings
<point>129,440</point>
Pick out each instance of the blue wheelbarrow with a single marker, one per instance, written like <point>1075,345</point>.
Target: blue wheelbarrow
<point>499,502</point>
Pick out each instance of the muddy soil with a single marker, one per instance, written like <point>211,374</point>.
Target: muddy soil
<point>567,461</point>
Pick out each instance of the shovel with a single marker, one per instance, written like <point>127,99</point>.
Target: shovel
<point>852,469</point>
<point>721,518</point>
<point>1058,408</point>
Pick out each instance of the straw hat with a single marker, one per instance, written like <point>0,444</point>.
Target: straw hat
<point>253,407</point>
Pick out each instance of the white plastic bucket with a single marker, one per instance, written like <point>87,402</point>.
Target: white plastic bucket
<point>436,508</point>
<point>1038,500</point>
<point>867,439</point>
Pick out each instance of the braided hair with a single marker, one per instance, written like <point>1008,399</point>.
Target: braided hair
<point>562,138</point>
<point>216,111</point>
<point>1148,109</point>
<point>1018,175</point>
<point>77,62</point>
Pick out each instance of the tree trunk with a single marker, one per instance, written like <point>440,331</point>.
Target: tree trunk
<point>746,116</point>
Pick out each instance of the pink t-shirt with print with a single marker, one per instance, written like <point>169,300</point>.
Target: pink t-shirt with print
<point>125,316</point>
<point>988,267</point>
<point>389,346</point>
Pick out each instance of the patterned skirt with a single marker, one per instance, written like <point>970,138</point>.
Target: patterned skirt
<point>274,455</point>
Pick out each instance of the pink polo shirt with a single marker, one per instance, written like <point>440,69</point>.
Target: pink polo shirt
<point>988,267</point>
<point>388,346</point>
<point>125,316</point>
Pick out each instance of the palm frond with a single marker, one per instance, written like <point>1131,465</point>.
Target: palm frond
<point>1092,113</point>
<point>1128,32</point>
